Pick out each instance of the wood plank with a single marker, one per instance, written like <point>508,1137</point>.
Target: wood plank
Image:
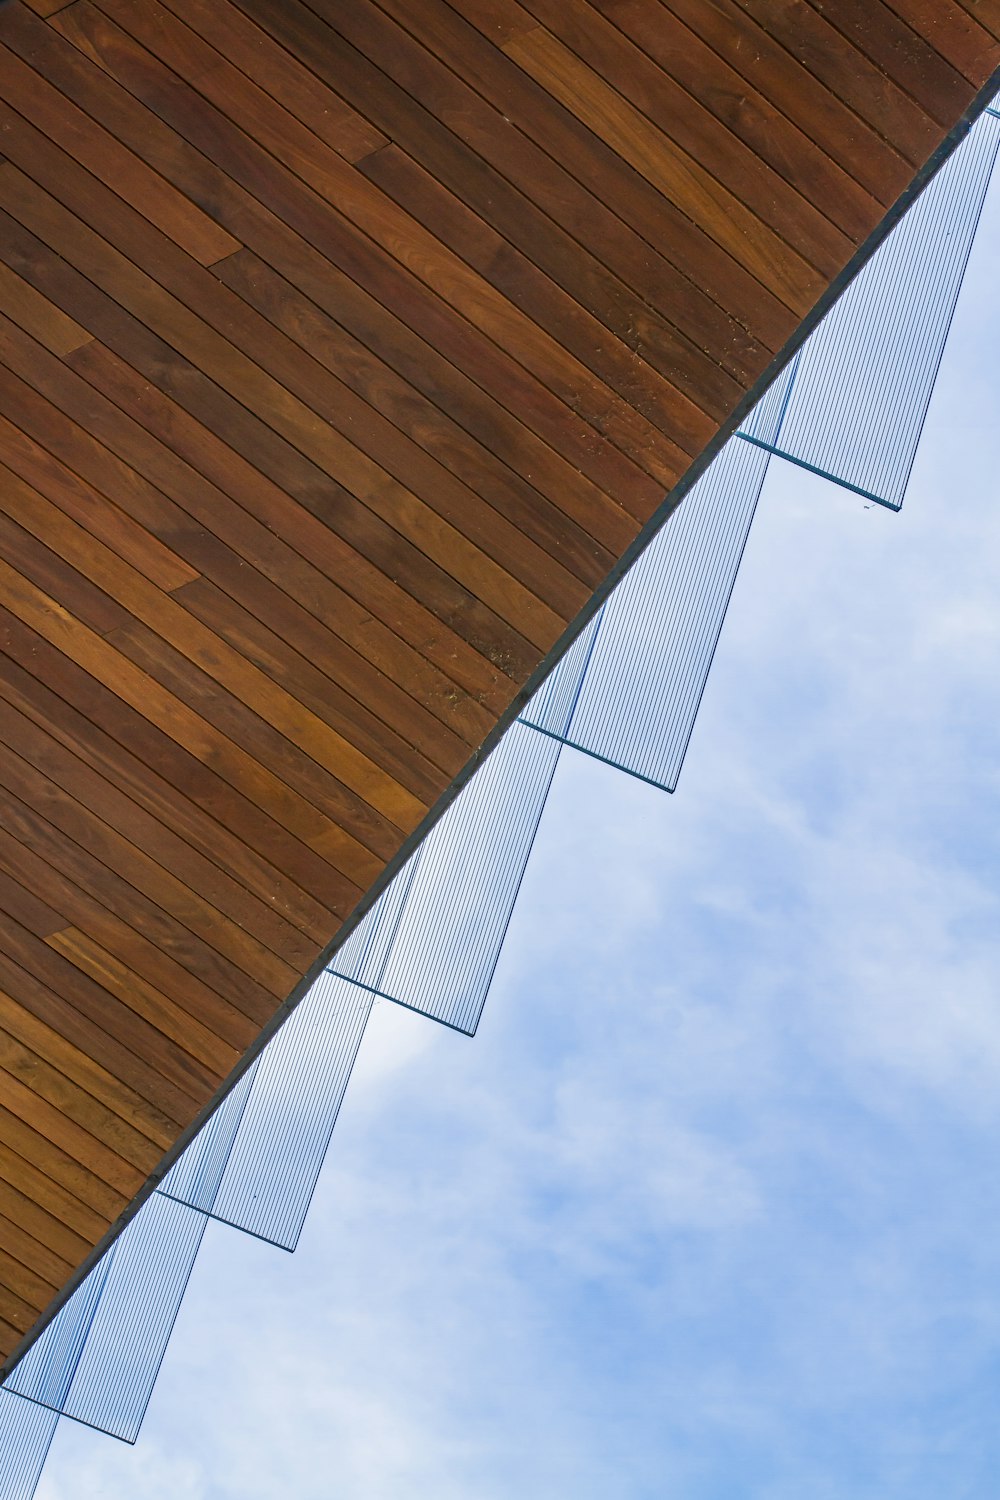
<point>253,110</point>
<point>42,613</point>
<point>465,440</point>
<point>359,567</point>
<point>236,39</point>
<point>183,883</point>
<point>30,1105</point>
<point>802,98</point>
<point>132,1152</point>
<point>675,173</point>
<point>797,214</point>
<point>89,1016</point>
<point>312,679</point>
<point>40,832</point>
<point>582,333</point>
<point>106,521</point>
<point>375,248</point>
<point>291,545</point>
<point>986,12</point>
<point>33,1254</point>
<point>40,318</point>
<point>742,109</point>
<point>180,789</point>
<point>953,33</point>
<point>92,560</point>
<point>185,52</point>
<point>343,351</point>
<point>48,571</point>
<point>138,1124</point>
<point>375,328</point>
<point>45,1193</point>
<point>849,73</point>
<point>302,425</point>
<point>20,1291</point>
<point>874,29</point>
<point>100,1203</point>
<point>308,789</point>
<point>214,512</point>
<point>45,1230</point>
<point>122,113</point>
<point>120,169</point>
<point>614,219</point>
<point>286,249</point>
<point>42,569</point>
<point>197,1050</point>
<point>47,7</point>
<point>156,966</point>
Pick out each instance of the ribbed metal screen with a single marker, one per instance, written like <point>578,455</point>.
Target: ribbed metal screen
<point>658,631</point>
<point>255,1164</point>
<point>438,953</point>
<point>26,1431</point>
<point>864,377</point>
<point>195,1177</point>
<point>98,1359</point>
<point>850,407</point>
<point>432,940</point>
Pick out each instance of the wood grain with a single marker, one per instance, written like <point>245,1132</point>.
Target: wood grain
<point>344,351</point>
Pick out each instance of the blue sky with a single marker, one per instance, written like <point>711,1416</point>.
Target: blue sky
<point>710,1206</point>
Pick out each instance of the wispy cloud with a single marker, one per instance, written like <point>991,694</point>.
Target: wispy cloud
<point>710,1205</point>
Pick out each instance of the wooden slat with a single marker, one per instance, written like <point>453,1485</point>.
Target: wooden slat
<point>371,241</point>
<point>406,515</point>
<point>237,40</point>
<point>377,62</point>
<point>99,1203</point>
<point>805,100</point>
<point>299,260</point>
<point>228,922</point>
<point>953,33</point>
<point>211,508</point>
<point>45,1193</point>
<point>854,75</point>
<point>253,110</point>
<point>182,791</point>
<point>986,12</point>
<point>465,438</point>
<point>36,971</point>
<point>59,120</point>
<point>123,1117</point>
<point>651,110</point>
<point>874,29</point>
<point>45,1230</point>
<point>344,351</point>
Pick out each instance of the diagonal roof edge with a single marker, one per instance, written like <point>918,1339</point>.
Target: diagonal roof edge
<point>669,504</point>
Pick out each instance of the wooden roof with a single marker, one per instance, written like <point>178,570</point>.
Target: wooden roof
<point>345,348</point>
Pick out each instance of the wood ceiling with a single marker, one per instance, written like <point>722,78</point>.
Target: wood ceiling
<point>345,346</point>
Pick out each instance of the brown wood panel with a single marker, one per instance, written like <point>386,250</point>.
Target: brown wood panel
<point>312,271</point>
<point>344,351</point>
<point>44,1193</point>
<point>986,12</point>
<point>129,1046</point>
<point>474,450</point>
<point>639,103</point>
<point>900,52</point>
<point>373,243</point>
<point>952,32</point>
<point>205,502</point>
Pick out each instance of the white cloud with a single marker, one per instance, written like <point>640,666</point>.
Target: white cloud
<point>710,1206</point>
